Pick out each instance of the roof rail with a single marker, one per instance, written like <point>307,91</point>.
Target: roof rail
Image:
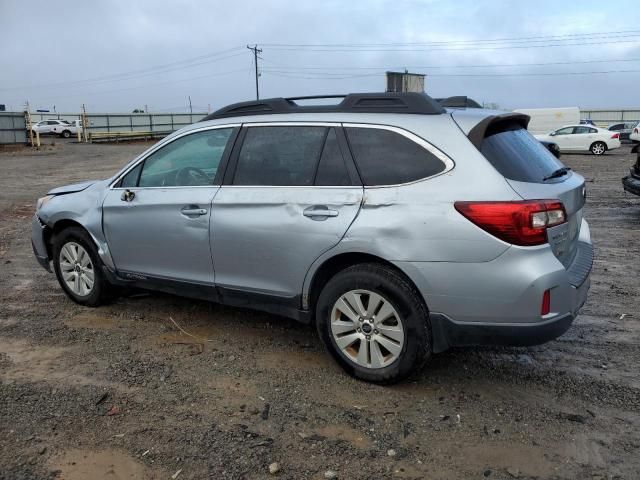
<point>460,101</point>
<point>418,103</point>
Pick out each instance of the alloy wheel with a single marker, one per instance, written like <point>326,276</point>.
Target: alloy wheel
<point>367,329</point>
<point>76,268</point>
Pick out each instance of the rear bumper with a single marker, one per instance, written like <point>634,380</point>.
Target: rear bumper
<point>38,243</point>
<point>499,302</point>
<point>448,333</point>
<point>452,334</point>
<point>631,184</point>
<point>613,144</point>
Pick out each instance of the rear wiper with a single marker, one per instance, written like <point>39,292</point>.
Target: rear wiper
<point>558,173</point>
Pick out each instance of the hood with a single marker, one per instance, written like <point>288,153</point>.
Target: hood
<point>75,187</point>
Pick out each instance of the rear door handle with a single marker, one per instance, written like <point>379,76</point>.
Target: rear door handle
<point>193,211</point>
<point>319,212</point>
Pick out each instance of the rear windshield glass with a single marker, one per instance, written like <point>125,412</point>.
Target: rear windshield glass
<point>517,155</point>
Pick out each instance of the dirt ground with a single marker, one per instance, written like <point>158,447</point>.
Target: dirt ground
<point>119,392</point>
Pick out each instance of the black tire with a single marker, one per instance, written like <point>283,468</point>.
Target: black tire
<point>102,291</point>
<point>66,134</point>
<point>403,297</point>
<point>598,148</point>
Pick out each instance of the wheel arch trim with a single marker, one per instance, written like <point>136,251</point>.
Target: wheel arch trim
<point>332,262</point>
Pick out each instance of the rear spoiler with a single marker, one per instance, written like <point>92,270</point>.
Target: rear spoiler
<point>494,122</point>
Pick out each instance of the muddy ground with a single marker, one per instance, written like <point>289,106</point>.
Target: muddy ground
<point>119,392</point>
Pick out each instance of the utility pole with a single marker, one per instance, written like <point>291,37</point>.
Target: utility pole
<point>256,51</point>
<point>29,124</point>
<point>190,108</point>
<point>85,125</point>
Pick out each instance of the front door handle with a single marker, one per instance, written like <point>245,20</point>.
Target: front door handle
<point>319,212</point>
<point>193,211</point>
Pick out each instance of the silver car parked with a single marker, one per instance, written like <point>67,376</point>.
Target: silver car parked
<point>397,227</point>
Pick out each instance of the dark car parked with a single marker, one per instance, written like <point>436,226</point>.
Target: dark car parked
<point>631,183</point>
<point>623,128</point>
<point>552,147</point>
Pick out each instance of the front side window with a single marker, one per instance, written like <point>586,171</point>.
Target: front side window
<point>384,157</point>
<point>565,131</point>
<point>279,156</point>
<point>191,160</point>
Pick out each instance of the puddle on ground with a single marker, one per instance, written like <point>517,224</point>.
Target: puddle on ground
<point>530,460</point>
<point>42,363</point>
<point>92,320</point>
<point>344,433</point>
<point>296,358</point>
<point>102,465</point>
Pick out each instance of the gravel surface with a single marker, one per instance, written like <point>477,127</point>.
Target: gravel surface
<point>120,392</point>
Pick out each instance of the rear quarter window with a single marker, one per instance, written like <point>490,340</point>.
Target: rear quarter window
<point>517,155</point>
<point>384,157</point>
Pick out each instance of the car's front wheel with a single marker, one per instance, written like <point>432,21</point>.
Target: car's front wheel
<point>598,148</point>
<point>374,323</point>
<point>78,267</point>
<point>66,134</point>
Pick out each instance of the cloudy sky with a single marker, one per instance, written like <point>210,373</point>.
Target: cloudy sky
<point>116,55</point>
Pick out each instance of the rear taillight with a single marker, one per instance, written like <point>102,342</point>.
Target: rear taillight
<point>615,135</point>
<point>522,223</point>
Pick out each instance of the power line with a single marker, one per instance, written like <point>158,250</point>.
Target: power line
<point>539,38</point>
<point>280,67</point>
<point>454,49</point>
<point>178,65</point>
<point>546,74</point>
<point>218,74</point>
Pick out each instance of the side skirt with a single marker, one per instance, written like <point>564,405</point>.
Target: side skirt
<point>285,306</point>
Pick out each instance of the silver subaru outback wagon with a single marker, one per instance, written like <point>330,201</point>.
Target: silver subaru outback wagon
<point>396,227</point>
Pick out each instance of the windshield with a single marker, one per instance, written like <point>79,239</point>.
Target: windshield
<point>517,155</point>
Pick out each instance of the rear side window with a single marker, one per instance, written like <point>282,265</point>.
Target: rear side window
<point>517,155</point>
<point>279,156</point>
<point>384,157</point>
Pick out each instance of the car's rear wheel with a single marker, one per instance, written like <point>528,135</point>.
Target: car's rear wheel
<point>598,148</point>
<point>78,267</point>
<point>374,323</point>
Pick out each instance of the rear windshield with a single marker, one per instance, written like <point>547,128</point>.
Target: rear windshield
<point>517,155</point>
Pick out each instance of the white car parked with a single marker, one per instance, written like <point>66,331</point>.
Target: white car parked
<point>583,138</point>
<point>67,129</point>
<point>56,127</point>
<point>635,133</point>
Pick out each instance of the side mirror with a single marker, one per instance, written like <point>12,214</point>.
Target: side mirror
<point>552,134</point>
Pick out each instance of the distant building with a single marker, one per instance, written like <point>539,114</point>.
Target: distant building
<point>398,82</point>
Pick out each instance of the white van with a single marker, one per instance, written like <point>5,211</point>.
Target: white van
<point>546,120</point>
